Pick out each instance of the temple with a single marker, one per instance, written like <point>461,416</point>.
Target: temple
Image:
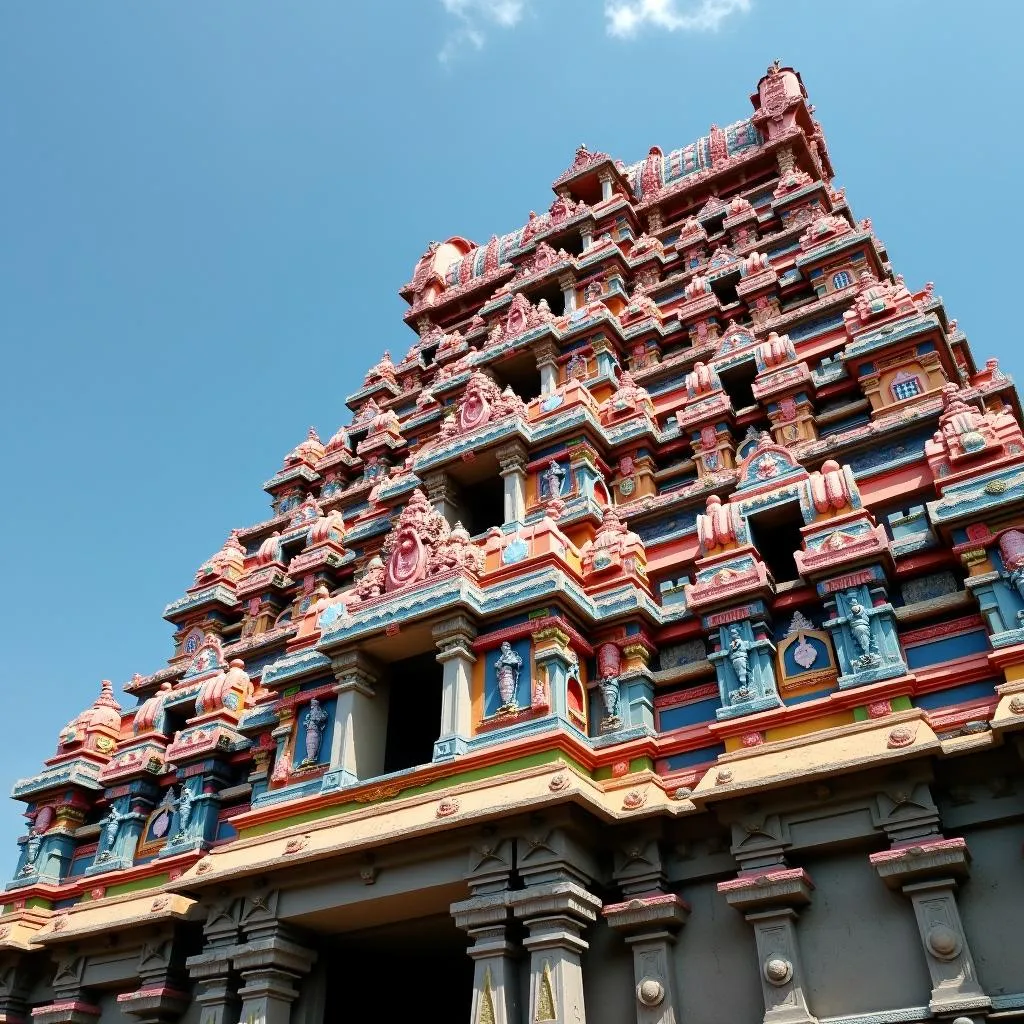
<point>647,645</point>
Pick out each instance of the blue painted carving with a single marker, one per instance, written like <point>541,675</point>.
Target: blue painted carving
<point>863,628</point>
<point>1000,594</point>
<point>516,550</point>
<point>552,480</point>
<point>745,666</point>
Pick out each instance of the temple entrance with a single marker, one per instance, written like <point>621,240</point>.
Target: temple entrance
<point>414,711</point>
<point>419,968</point>
<point>775,533</point>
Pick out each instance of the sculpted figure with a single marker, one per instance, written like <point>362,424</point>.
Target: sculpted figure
<point>860,627</point>
<point>32,845</point>
<point>186,803</point>
<point>316,723</point>
<point>738,657</point>
<point>553,479</point>
<point>508,665</point>
<point>109,828</point>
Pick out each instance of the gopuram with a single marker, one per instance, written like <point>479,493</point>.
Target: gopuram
<point>648,646</point>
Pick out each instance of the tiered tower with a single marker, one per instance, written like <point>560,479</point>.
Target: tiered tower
<point>677,566</point>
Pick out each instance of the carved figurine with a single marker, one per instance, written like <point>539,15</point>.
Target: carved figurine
<point>1011,548</point>
<point>508,666</point>
<point>552,480</point>
<point>738,658</point>
<point>32,845</point>
<point>860,627</point>
<point>109,828</point>
<point>186,802</point>
<point>316,723</point>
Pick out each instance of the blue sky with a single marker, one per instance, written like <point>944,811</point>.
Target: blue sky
<point>207,208</point>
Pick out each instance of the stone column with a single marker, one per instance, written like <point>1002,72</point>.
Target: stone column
<point>606,179</point>
<point>161,997</point>
<point>556,915</point>
<point>649,925</point>
<point>443,495</point>
<point>927,871</point>
<point>547,363</point>
<point>270,962</point>
<point>210,970</point>
<point>360,722</point>
<point>495,985</point>
<point>512,459</point>
<point>71,1004</point>
<point>568,285</point>
<point>454,639</point>
<point>15,986</point>
<point>769,902</point>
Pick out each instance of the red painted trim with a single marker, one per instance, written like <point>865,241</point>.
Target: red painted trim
<point>953,627</point>
<point>489,641</point>
<point>689,696</point>
<point>980,710</point>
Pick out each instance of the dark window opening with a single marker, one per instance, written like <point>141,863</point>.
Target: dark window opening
<point>775,533</point>
<point>414,712</point>
<point>552,294</point>
<point>738,382</point>
<point>571,242</point>
<point>427,954</point>
<point>725,289</point>
<point>482,505</point>
<point>714,225</point>
<point>427,354</point>
<point>521,375</point>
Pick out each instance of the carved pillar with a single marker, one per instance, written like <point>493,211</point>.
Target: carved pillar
<point>770,902</point>
<point>70,1005</point>
<point>210,970</point>
<point>485,918</point>
<point>512,459</point>
<point>454,639</point>
<point>495,987</point>
<point>15,985</point>
<point>161,998</point>
<point>556,915</point>
<point>443,495</point>
<point>927,872</point>
<point>547,363</point>
<point>606,179</point>
<point>270,961</point>
<point>360,722</point>
<point>649,925</point>
<point>568,285</point>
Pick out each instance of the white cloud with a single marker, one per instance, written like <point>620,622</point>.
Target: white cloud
<point>472,20</point>
<point>626,17</point>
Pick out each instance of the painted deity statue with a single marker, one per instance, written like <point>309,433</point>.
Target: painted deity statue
<point>609,665</point>
<point>552,480</point>
<point>1011,549</point>
<point>508,666</point>
<point>738,656</point>
<point>860,627</point>
<point>316,723</point>
<point>32,845</point>
<point>186,802</point>
<point>109,828</point>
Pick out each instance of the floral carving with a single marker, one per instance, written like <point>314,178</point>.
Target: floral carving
<point>447,807</point>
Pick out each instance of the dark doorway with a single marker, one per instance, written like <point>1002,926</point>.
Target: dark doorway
<point>738,383</point>
<point>426,957</point>
<point>414,712</point>
<point>482,504</point>
<point>775,533</point>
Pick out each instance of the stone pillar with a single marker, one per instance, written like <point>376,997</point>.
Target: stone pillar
<point>649,925</point>
<point>606,179</point>
<point>443,495</point>
<point>547,363</point>
<point>454,639</point>
<point>360,722</point>
<point>512,459</point>
<point>769,902</point>
<point>161,997</point>
<point>556,915</point>
<point>71,1004</point>
<point>210,970</point>
<point>495,985</point>
<point>15,986</point>
<point>927,872</point>
<point>568,285</point>
<point>270,962</point>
